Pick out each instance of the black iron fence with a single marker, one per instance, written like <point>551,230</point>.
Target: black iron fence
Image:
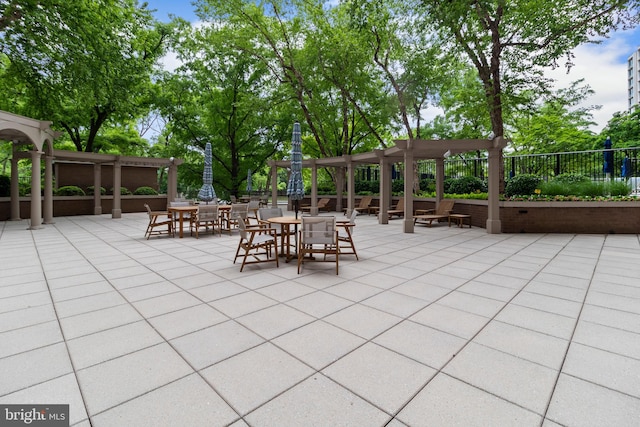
<point>546,166</point>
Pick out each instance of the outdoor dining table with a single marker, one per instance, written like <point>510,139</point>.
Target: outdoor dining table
<point>181,210</point>
<point>285,237</point>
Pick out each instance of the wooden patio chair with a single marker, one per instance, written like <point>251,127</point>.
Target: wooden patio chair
<point>345,235</point>
<point>318,235</point>
<point>364,205</point>
<point>257,242</point>
<point>206,216</point>
<point>441,212</point>
<point>156,225</point>
<point>238,211</point>
<point>323,204</point>
<point>398,210</point>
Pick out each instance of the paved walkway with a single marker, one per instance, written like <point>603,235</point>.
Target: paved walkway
<point>443,327</point>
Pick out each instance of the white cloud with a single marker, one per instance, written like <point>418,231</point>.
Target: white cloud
<point>604,68</point>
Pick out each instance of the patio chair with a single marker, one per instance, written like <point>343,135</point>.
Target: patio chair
<point>398,210</point>
<point>441,212</point>
<point>207,216</point>
<point>252,209</point>
<point>318,236</point>
<point>264,201</point>
<point>257,242</point>
<point>364,205</point>
<point>345,235</point>
<point>156,225</point>
<point>323,204</point>
<point>238,211</point>
<point>265,213</point>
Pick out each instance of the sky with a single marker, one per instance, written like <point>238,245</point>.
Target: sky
<point>602,66</point>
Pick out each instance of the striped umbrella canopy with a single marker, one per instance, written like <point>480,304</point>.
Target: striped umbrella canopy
<point>207,193</point>
<point>249,182</point>
<point>295,187</point>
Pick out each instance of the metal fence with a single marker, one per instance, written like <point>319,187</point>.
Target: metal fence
<point>546,166</point>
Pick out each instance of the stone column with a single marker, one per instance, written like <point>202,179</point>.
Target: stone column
<point>407,220</point>
<point>97,184</point>
<point>15,187</point>
<point>36,198</point>
<point>172,181</point>
<point>439,180</point>
<point>48,189</point>
<point>385,187</point>
<point>116,212</point>
<point>274,184</point>
<point>494,225</point>
<point>339,186</point>
<point>351,186</point>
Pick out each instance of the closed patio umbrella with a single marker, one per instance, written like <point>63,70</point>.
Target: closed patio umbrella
<point>249,182</point>
<point>207,193</point>
<point>295,186</point>
<point>607,167</point>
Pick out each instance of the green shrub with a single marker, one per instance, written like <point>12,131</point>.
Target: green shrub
<point>5,186</point>
<point>397,186</point>
<point>89,191</point>
<point>124,191</point>
<point>619,188</point>
<point>570,178</point>
<point>70,190</point>
<point>466,185</point>
<point>521,185</point>
<point>145,191</point>
<point>553,188</point>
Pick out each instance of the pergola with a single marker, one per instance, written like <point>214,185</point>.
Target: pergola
<point>406,151</point>
<point>37,134</point>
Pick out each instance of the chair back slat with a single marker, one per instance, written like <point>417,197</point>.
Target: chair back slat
<point>318,230</point>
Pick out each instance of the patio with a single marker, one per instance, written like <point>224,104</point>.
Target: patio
<point>441,327</point>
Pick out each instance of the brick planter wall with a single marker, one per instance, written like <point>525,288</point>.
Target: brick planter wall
<point>83,205</point>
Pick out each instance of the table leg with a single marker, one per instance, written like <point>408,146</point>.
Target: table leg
<point>181,223</point>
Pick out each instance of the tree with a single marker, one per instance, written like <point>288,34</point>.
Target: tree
<point>556,124</point>
<point>222,96</point>
<point>509,42</point>
<point>98,73</point>
<point>623,129</point>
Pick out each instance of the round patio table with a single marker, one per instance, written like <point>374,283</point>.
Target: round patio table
<point>285,237</point>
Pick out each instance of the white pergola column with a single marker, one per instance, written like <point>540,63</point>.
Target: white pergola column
<point>36,198</point>
<point>274,183</point>
<point>494,225</point>
<point>407,220</point>
<point>172,181</point>
<point>15,186</point>
<point>385,187</point>
<point>97,185</point>
<point>116,212</point>
<point>351,185</point>
<point>313,210</point>
<point>339,187</point>
<point>48,189</point>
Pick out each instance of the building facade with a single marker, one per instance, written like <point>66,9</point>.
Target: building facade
<point>633,77</point>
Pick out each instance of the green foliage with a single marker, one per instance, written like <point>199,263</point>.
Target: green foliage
<point>90,189</point>
<point>623,128</point>
<point>570,178</point>
<point>521,185</point>
<point>70,190</point>
<point>585,188</point>
<point>465,185</point>
<point>97,73</point>
<point>145,191</point>
<point>5,186</point>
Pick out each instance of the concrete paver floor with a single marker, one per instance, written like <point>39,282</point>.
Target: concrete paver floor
<point>442,327</point>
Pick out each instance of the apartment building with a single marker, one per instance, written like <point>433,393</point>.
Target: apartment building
<point>633,77</point>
